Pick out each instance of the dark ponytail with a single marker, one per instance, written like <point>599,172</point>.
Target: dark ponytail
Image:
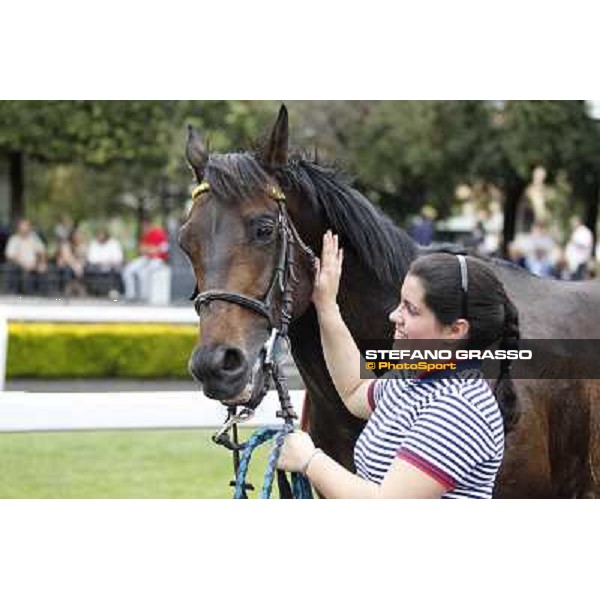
<point>504,388</point>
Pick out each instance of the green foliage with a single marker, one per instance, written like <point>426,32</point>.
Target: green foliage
<point>428,149</point>
<point>96,133</point>
<point>86,157</point>
<point>551,133</point>
<point>44,350</point>
<point>406,153</point>
<point>92,159</point>
<point>409,153</point>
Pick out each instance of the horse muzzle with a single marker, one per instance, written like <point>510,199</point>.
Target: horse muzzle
<point>226,375</point>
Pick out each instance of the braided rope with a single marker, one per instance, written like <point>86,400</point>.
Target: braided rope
<point>300,484</point>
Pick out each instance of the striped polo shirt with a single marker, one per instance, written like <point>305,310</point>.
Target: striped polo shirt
<point>448,425</point>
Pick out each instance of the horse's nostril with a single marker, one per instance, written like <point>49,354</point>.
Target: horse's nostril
<point>233,359</point>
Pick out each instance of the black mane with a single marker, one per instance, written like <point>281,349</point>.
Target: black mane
<point>384,249</point>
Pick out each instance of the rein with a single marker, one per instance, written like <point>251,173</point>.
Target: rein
<point>283,279</point>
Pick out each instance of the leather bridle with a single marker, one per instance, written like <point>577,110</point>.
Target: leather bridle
<point>283,280</point>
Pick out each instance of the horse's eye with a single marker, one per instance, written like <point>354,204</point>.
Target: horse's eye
<point>263,231</point>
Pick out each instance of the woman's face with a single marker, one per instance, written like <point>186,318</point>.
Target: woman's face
<point>412,318</point>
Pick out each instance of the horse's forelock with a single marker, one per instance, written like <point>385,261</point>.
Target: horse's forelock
<point>235,177</point>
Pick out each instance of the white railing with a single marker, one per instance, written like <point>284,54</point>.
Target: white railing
<point>105,313</point>
<point>25,411</point>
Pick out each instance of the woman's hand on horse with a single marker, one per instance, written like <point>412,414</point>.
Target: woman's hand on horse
<point>295,452</point>
<point>328,271</point>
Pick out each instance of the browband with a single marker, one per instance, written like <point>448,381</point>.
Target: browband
<point>273,191</point>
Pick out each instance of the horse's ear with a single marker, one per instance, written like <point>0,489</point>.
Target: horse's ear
<point>275,153</point>
<point>196,153</point>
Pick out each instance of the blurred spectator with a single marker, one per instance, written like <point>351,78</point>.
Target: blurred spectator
<point>64,227</point>
<point>422,228</point>
<point>578,250</point>
<point>70,261</point>
<point>154,250</point>
<point>477,241</point>
<point>541,250</point>
<point>537,193</point>
<point>516,255</point>
<point>561,269</point>
<point>493,221</point>
<point>104,262</point>
<point>540,237</point>
<point>27,261</point>
<point>539,262</point>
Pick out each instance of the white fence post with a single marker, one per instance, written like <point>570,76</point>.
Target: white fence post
<point>3,349</point>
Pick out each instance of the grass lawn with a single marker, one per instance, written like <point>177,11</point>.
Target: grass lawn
<point>120,464</point>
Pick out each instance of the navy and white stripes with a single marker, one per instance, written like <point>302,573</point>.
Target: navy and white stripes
<point>451,428</point>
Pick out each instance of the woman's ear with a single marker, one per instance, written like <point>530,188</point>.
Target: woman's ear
<point>460,329</point>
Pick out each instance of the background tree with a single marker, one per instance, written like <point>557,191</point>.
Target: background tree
<point>406,154</point>
<point>560,135</point>
<point>88,157</point>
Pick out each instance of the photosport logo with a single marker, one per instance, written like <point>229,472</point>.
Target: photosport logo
<point>528,359</point>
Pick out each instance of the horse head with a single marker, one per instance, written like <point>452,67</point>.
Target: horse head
<point>253,272</point>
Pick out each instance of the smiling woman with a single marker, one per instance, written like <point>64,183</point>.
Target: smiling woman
<point>441,434</point>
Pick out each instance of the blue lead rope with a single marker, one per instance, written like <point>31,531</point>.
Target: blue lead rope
<point>300,484</point>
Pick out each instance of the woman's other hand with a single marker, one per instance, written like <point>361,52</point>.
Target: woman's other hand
<point>295,452</point>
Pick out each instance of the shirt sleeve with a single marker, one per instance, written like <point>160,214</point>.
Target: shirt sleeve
<point>447,440</point>
<point>375,392</point>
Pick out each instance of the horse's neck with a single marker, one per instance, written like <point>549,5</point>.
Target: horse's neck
<point>365,305</point>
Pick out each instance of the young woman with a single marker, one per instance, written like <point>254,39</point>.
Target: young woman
<point>70,260</point>
<point>432,436</point>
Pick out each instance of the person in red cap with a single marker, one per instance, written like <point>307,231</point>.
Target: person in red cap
<point>154,250</point>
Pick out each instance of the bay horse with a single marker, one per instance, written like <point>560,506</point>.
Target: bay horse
<point>231,238</point>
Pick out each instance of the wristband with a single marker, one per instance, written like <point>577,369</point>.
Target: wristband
<point>307,463</point>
